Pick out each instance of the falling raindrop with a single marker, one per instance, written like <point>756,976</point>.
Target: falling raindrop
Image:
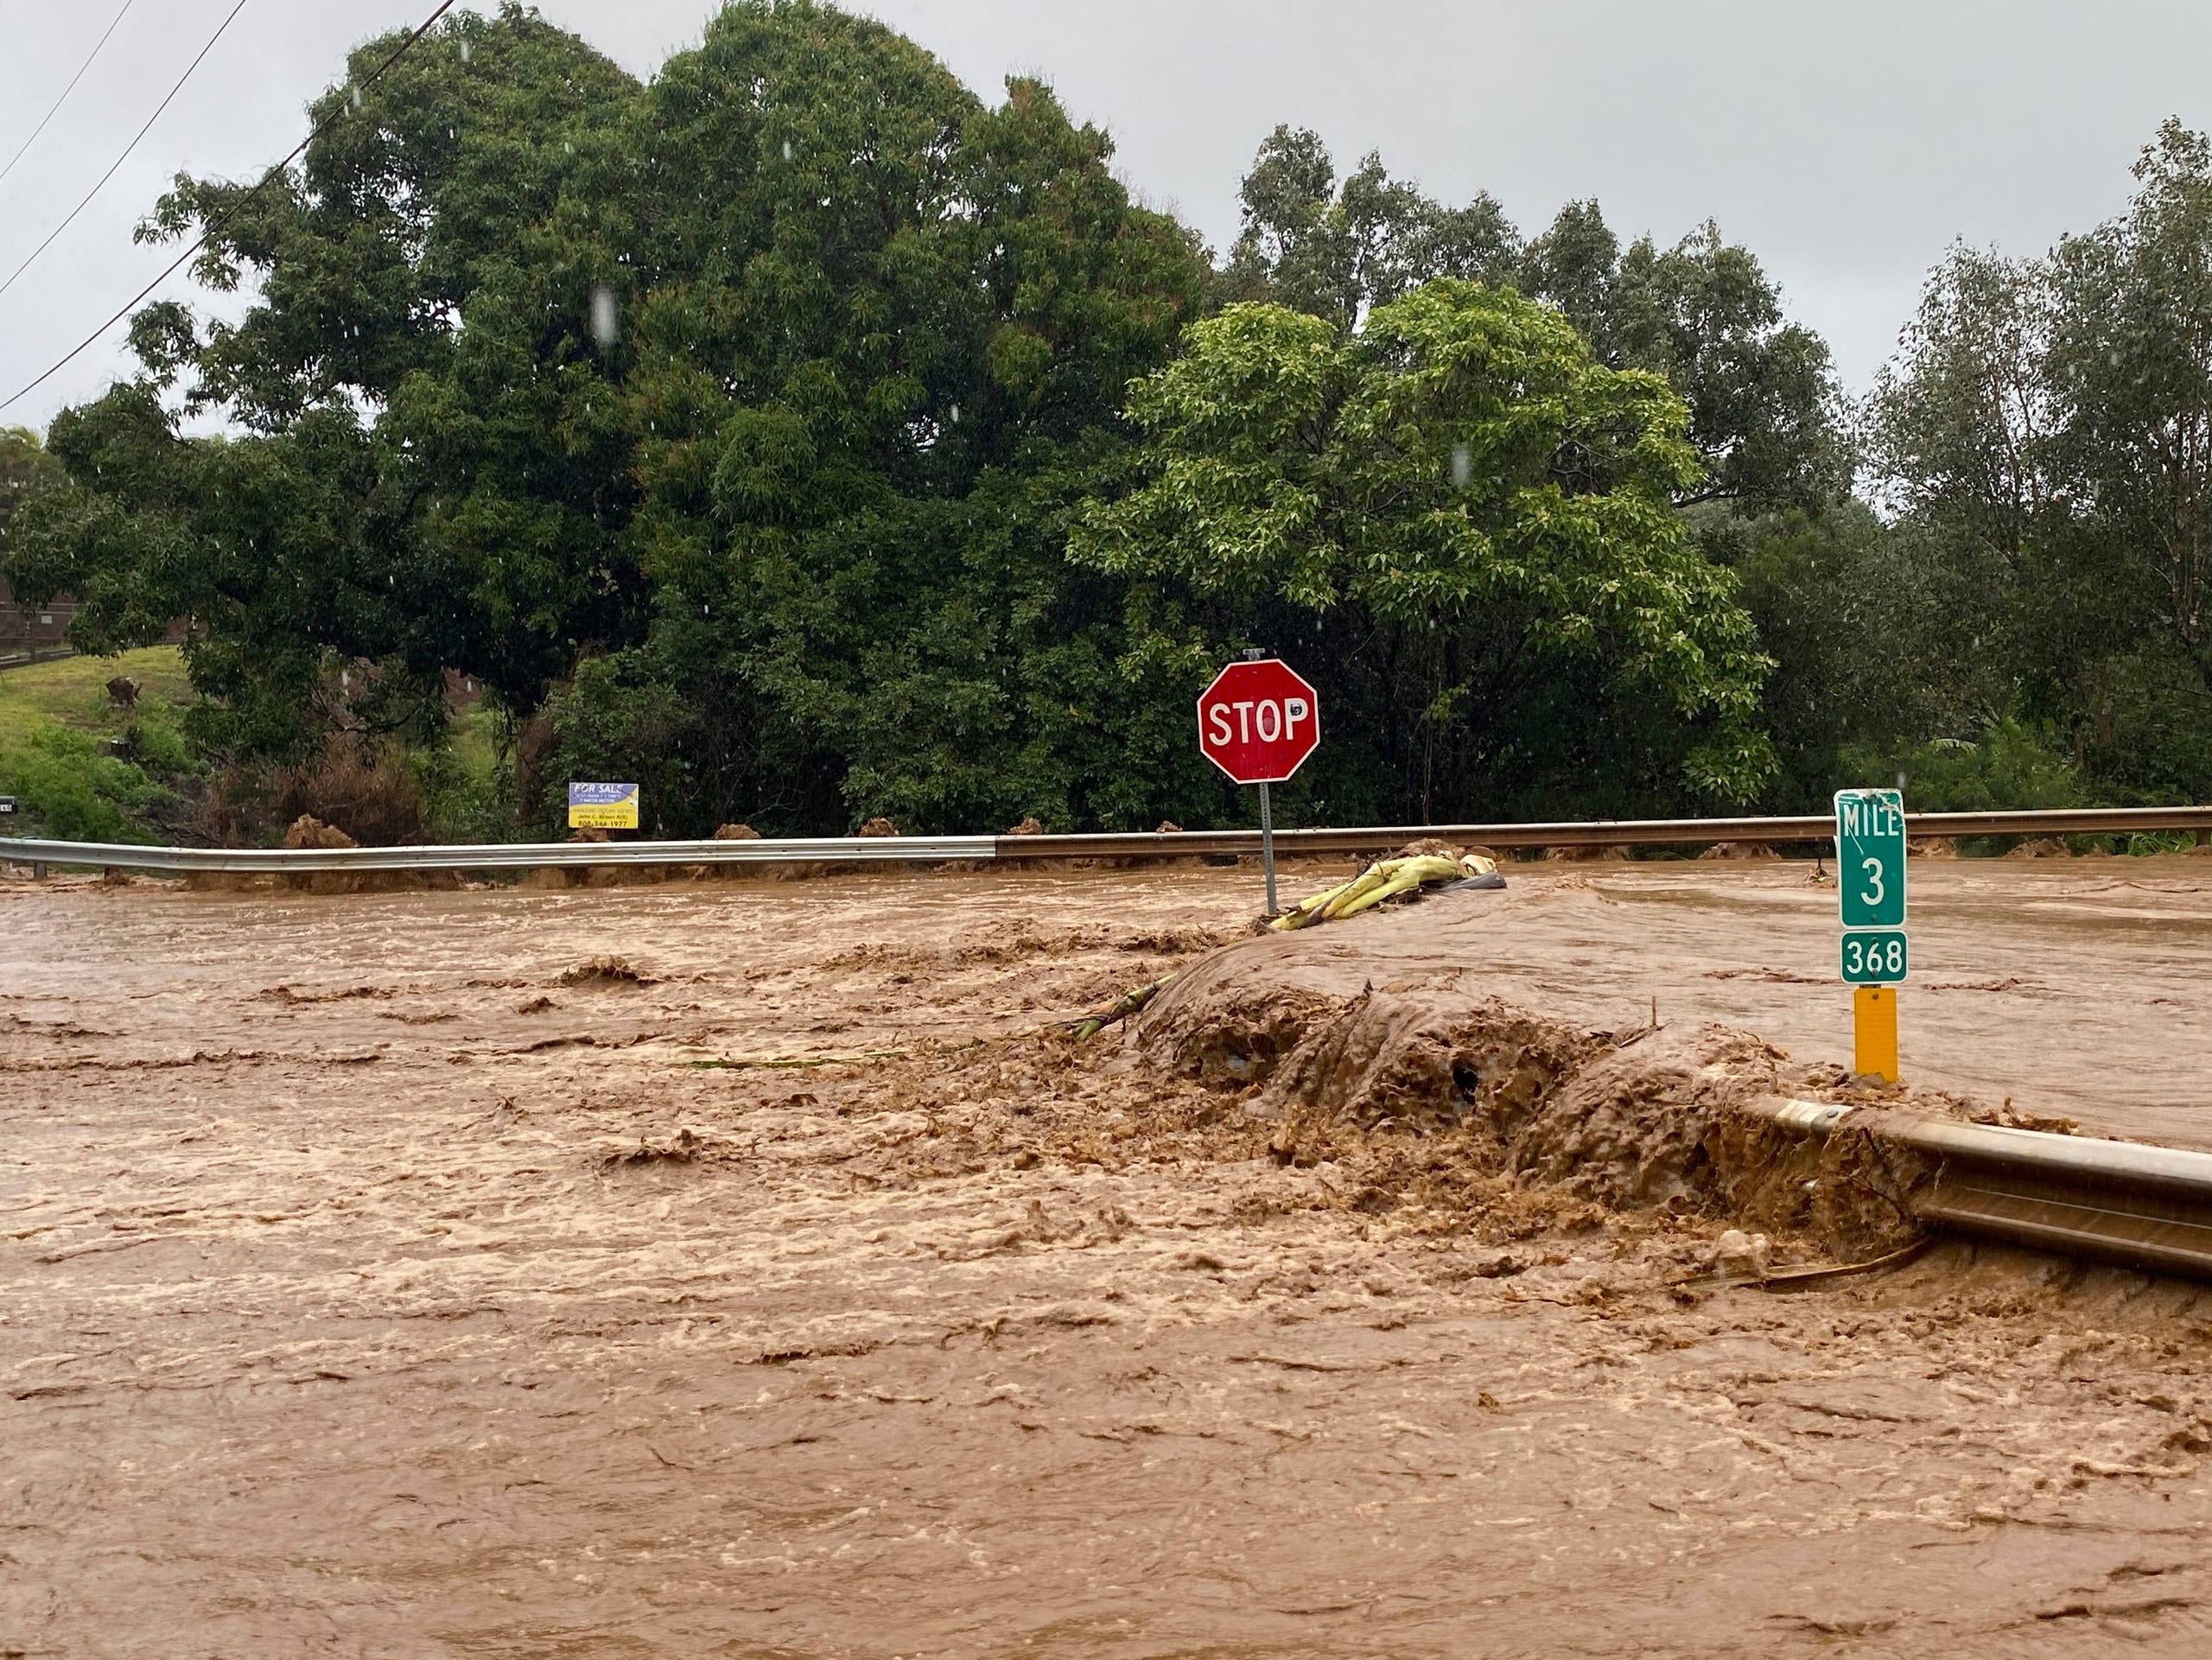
<point>1463,465</point>
<point>357,98</point>
<point>464,54</point>
<point>953,414</point>
<point>787,149</point>
<point>605,319</point>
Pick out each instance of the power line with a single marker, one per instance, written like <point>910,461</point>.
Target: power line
<point>87,200</point>
<point>228,214</point>
<point>64,98</point>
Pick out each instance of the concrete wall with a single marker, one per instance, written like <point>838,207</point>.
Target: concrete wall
<point>32,628</point>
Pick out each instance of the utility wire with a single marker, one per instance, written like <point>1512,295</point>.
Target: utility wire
<point>86,200</point>
<point>64,98</point>
<point>228,214</point>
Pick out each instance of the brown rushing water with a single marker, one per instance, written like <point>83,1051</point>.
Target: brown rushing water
<point>365,1290</point>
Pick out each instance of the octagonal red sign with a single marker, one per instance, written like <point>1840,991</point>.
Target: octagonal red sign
<point>1259,721</point>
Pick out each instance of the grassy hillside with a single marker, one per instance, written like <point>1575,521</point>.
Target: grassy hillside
<point>87,772</point>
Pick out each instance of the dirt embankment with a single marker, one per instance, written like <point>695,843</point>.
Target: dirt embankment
<point>1339,1066</point>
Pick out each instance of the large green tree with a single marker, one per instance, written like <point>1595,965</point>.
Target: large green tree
<point>428,459</point>
<point>1462,524</point>
<point>874,368</point>
<point>2046,433</point>
<point>23,462</point>
<point>1764,410</point>
<point>766,388</point>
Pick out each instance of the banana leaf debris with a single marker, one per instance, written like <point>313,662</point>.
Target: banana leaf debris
<point>1391,879</point>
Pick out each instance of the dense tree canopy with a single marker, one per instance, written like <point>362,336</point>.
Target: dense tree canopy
<point>1763,403</point>
<point>2045,436</point>
<point>1453,511</point>
<point>811,438</point>
<point>768,382</point>
<point>431,465</point>
<point>23,462</point>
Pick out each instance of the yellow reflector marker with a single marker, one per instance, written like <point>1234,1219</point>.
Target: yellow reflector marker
<point>1874,1027</point>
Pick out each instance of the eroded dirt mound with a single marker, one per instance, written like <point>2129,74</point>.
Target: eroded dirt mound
<point>1649,1117</point>
<point>309,832</point>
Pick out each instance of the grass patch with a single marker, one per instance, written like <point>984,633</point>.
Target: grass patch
<point>468,795</point>
<point>83,770</point>
<point>72,690</point>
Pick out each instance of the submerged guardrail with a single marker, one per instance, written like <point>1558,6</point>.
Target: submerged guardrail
<point>1150,844</point>
<point>2132,1202</point>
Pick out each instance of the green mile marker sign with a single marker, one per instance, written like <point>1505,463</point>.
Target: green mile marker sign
<point>1876,956</point>
<point>1870,857</point>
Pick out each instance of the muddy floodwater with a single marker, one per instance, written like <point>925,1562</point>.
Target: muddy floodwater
<point>750,1268</point>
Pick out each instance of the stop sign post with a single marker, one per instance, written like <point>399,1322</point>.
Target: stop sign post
<point>1258,722</point>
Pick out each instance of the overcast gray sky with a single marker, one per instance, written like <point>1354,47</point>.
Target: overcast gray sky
<point>1846,144</point>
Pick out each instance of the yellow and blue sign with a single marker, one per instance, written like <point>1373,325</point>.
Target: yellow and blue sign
<point>602,806</point>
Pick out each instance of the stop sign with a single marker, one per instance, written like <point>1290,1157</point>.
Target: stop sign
<point>1259,721</point>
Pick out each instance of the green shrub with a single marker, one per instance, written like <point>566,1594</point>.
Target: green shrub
<point>68,786</point>
<point>608,724</point>
<point>467,794</point>
<point>158,744</point>
<point>2010,768</point>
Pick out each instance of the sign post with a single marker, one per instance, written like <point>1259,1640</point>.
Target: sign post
<point>1258,722</point>
<point>1267,844</point>
<point>1875,955</point>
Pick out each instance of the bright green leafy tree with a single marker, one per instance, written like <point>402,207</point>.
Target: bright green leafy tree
<point>1462,525</point>
<point>1764,406</point>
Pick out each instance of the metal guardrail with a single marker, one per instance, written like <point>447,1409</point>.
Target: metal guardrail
<point>1183,844</point>
<point>2123,1201</point>
<point>1607,832</point>
<point>496,855</point>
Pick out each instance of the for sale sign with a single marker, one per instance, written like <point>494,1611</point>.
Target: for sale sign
<point>602,806</point>
<point>1259,721</point>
